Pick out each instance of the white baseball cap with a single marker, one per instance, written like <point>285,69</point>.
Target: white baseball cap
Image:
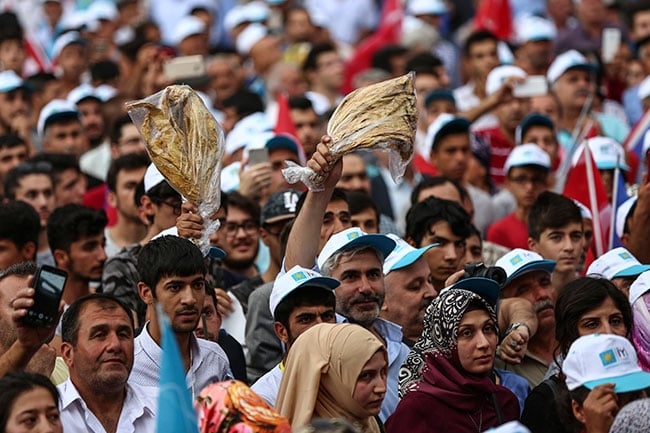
<point>403,255</point>
<point>598,359</point>
<point>354,237</point>
<point>527,154</point>
<point>252,34</point>
<point>616,263</point>
<point>82,92</point>
<point>10,81</point>
<point>520,261</point>
<point>621,215</point>
<point>644,89</point>
<point>639,287</point>
<point>568,60</point>
<point>295,278</point>
<point>498,76</point>
<point>152,177</point>
<point>186,27</point>
<point>441,125</point>
<point>531,28</point>
<point>103,10</point>
<point>56,108</point>
<point>64,40</point>
<point>585,213</point>
<point>234,17</point>
<point>607,153</point>
<point>426,7</point>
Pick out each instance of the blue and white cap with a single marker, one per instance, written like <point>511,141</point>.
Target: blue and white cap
<point>295,278</point>
<point>10,81</point>
<point>520,261</point>
<point>617,263</point>
<point>403,255</point>
<point>531,28</point>
<point>351,238</point>
<point>571,59</point>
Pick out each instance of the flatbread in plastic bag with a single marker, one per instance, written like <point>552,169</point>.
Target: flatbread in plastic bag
<point>186,144</point>
<point>378,116</point>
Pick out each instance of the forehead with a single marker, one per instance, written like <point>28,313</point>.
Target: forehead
<point>527,278</point>
<point>94,313</point>
<point>572,74</point>
<point>363,260</point>
<point>237,213</point>
<point>9,285</point>
<point>529,170</point>
<point>482,46</point>
<point>537,130</point>
<point>443,229</point>
<point>37,180</point>
<point>337,206</point>
<point>569,228</point>
<point>187,279</point>
<point>353,162</point>
<point>453,140</point>
<point>129,174</point>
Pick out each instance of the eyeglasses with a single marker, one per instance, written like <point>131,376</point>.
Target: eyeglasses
<point>231,228</point>
<point>175,205</point>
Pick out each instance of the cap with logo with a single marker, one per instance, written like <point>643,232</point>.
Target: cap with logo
<point>444,125</point>
<point>403,255</point>
<point>527,154</point>
<point>617,263</point>
<point>519,262</point>
<point>295,278</point>
<point>499,75</point>
<point>280,206</point>
<point>352,238</point>
<point>57,109</point>
<point>598,359</point>
<point>608,154</point>
<point>571,59</point>
<point>486,288</point>
<point>621,215</point>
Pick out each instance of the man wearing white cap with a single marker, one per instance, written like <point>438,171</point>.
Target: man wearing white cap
<point>535,37</point>
<point>527,169</point>
<point>572,78</point>
<point>191,37</point>
<point>509,114</point>
<point>71,55</point>
<point>602,370</point>
<point>300,299</point>
<point>263,48</point>
<point>619,266</point>
<point>408,288</point>
<point>14,106</point>
<point>529,277</point>
<point>623,215</point>
<point>608,155</point>
<point>60,130</point>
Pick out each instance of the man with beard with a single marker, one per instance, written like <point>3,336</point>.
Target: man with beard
<point>535,37</point>
<point>529,278</point>
<point>98,350</point>
<point>300,299</point>
<point>408,288</point>
<point>14,106</point>
<point>172,274</point>
<point>76,236</point>
<point>510,113</point>
<point>124,175</point>
<point>352,257</point>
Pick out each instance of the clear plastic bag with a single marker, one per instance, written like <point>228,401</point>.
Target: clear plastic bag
<point>379,116</point>
<point>186,144</point>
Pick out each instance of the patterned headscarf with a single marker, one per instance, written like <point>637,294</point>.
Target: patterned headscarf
<point>439,337</point>
<point>633,418</point>
<point>641,330</point>
<point>232,407</point>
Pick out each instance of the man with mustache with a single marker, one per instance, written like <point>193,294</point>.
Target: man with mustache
<point>529,278</point>
<point>172,273</point>
<point>98,350</point>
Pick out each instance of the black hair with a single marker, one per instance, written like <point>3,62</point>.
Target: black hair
<point>630,213</point>
<point>303,296</point>
<point>22,269</point>
<point>16,383</point>
<point>478,37</point>
<point>24,169</point>
<point>430,182</point>
<point>383,56</point>
<point>10,28</point>
<point>38,81</point>
<point>161,192</point>
<point>551,210</point>
<point>312,57</point>
<point>19,223</point>
<point>104,71</point>
<point>300,103</point>
<point>447,130</point>
<point>209,290</point>
<point>337,195</point>
<point>578,298</point>
<point>70,320</point>
<point>248,205</point>
<point>9,141</point>
<point>360,201</point>
<point>72,222</point>
<point>116,130</point>
<point>60,162</point>
<point>245,103</point>
<point>130,161</point>
<point>421,216</point>
<point>424,62</point>
<point>169,256</point>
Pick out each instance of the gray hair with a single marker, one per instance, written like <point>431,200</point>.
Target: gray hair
<point>22,269</point>
<point>334,260</point>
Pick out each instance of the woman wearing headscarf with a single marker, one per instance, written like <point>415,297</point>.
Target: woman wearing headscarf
<point>334,371</point>
<point>446,383</point>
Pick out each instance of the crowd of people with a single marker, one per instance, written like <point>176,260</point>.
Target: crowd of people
<point>491,287</point>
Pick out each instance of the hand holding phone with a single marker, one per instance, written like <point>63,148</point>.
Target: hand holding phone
<point>48,284</point>
<point>534,85</point>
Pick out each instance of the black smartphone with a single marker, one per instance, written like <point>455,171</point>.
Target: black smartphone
<point>48,286</point>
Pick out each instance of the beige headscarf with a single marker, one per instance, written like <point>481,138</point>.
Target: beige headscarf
<point>321,372</point>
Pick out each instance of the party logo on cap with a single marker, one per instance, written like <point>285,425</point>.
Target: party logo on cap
<point>516,259</point>
<point>299,276</point>
<point>607,357</point>
<point>625,255</point>
<point>353,235</point>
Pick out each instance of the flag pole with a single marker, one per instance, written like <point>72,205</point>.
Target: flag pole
<point>593,202</point>
<point>612,220</point>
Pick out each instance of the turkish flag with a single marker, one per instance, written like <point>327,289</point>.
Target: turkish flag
<point>495,16</point>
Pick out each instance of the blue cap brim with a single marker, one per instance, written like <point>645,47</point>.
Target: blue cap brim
<point>216,253</point>
<point>381,243</point>
<point>538,265</point>
<point>486,288</point>
<point>609,166</point>
<point>411,258</point>
<point>322,282</point>
<point>632,271</point>
<point>626,383</point>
